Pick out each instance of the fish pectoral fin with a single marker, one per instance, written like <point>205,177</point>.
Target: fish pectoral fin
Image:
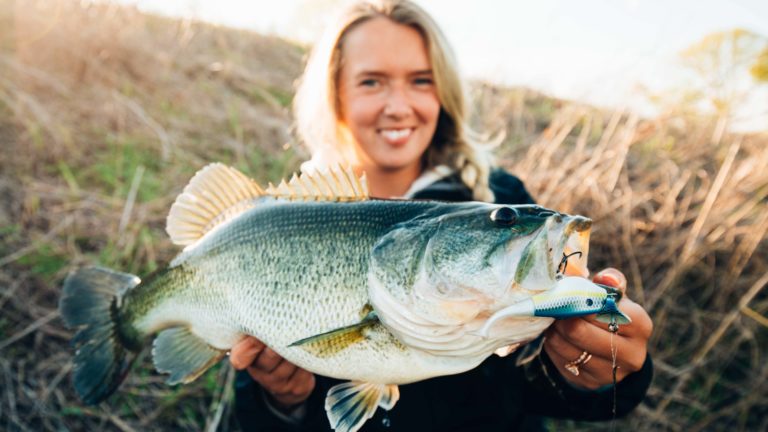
<point>178,352</point>
<point>332,342</point>
<point>349,405</point>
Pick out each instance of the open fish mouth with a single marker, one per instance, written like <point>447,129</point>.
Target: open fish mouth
<point>572,259</point>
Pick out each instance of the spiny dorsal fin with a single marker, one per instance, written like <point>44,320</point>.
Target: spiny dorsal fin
<point>337,184</point>
<point>215,194</point>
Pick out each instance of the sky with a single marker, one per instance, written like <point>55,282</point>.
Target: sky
<point>596,51</point>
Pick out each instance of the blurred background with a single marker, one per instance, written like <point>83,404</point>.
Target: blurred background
<point>651,118</point>
<point>603,52</point>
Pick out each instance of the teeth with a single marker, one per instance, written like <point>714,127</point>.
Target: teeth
<point>395,134</point>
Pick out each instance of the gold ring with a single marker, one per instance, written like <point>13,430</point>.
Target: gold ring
<point>573,367</point>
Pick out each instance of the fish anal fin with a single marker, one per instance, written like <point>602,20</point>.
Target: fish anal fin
<point>216,194</point>
<point>178,352</point>
<point>349,405</point>
<point>332,342</point>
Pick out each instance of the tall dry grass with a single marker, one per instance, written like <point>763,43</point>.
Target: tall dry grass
<point>105,113</point>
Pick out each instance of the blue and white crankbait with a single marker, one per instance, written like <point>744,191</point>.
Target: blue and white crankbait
<point>571,297</point>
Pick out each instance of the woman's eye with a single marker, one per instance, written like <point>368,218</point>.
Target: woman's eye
<point>423,81</point>
<point>370,82</point>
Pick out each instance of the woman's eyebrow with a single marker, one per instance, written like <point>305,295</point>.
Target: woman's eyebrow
<point>377,73</point>
<point>367,72</point>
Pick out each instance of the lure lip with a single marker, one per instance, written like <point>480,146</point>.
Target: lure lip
<point>616,292</point>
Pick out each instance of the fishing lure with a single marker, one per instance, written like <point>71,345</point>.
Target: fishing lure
<point>571,297</point>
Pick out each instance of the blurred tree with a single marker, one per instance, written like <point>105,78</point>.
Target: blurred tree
<point>727,65</point>
<point>759,70</point>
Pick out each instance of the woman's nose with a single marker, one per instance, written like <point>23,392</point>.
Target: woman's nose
<point>397,105</point>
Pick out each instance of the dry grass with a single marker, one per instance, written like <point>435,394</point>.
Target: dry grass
<point>105,113</point>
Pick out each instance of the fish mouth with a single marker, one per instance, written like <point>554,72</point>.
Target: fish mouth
<point>572,258</point>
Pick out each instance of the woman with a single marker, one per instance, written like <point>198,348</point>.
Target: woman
<point>381,91</point>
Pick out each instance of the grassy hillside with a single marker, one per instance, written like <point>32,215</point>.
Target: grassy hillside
<point>105,113</point>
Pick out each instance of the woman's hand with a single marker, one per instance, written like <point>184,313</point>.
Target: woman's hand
<point>286,383</point>
<point>567,340</point>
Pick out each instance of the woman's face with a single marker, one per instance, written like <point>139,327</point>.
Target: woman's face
<point>387,94</point>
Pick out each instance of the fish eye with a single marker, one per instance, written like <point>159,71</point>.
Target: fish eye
<point>504,216</point>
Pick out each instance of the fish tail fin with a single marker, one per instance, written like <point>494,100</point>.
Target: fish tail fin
<point>89,304</point>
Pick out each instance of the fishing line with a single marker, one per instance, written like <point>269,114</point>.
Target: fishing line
<point>613,327</point>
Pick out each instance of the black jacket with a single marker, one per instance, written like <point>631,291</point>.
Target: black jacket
<point>495,396</point>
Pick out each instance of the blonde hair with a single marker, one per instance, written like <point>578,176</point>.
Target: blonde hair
<point>316,106</point>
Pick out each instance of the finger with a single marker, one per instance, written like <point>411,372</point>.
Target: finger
<point>611,277</point>
<point>641,326</point>
<point>267,360</point>
<point>596,368</point>
<point>292,391</point>
<point>245,352</point>
<point>302,382</point>
<point>597,372</point>
<point>585,380</point>
<point>585,336</point>
<point>562,352</point>
<point>278,380</point>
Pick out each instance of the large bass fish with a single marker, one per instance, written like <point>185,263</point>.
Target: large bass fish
<point>379,292</point>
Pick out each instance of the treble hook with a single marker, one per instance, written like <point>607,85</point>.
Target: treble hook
<point>564,262</point>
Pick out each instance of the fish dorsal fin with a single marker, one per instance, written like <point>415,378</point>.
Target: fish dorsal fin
<point>218,193</point>
<point>336,184</point>
<point>348,405</point>
<point>215,194</point>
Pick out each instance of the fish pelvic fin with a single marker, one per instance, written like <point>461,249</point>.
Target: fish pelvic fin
<point>178,352</point>
<point>218,193</point>
<point>332,342</point>
<point>90,303</point>
<point>349,405</point>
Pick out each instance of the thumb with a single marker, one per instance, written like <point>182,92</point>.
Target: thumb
<point>612,277</point>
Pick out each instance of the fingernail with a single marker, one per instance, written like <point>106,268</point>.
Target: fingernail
<point>607,272</point>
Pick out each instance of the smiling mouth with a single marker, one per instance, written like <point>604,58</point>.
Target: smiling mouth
<point>396,136</point>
